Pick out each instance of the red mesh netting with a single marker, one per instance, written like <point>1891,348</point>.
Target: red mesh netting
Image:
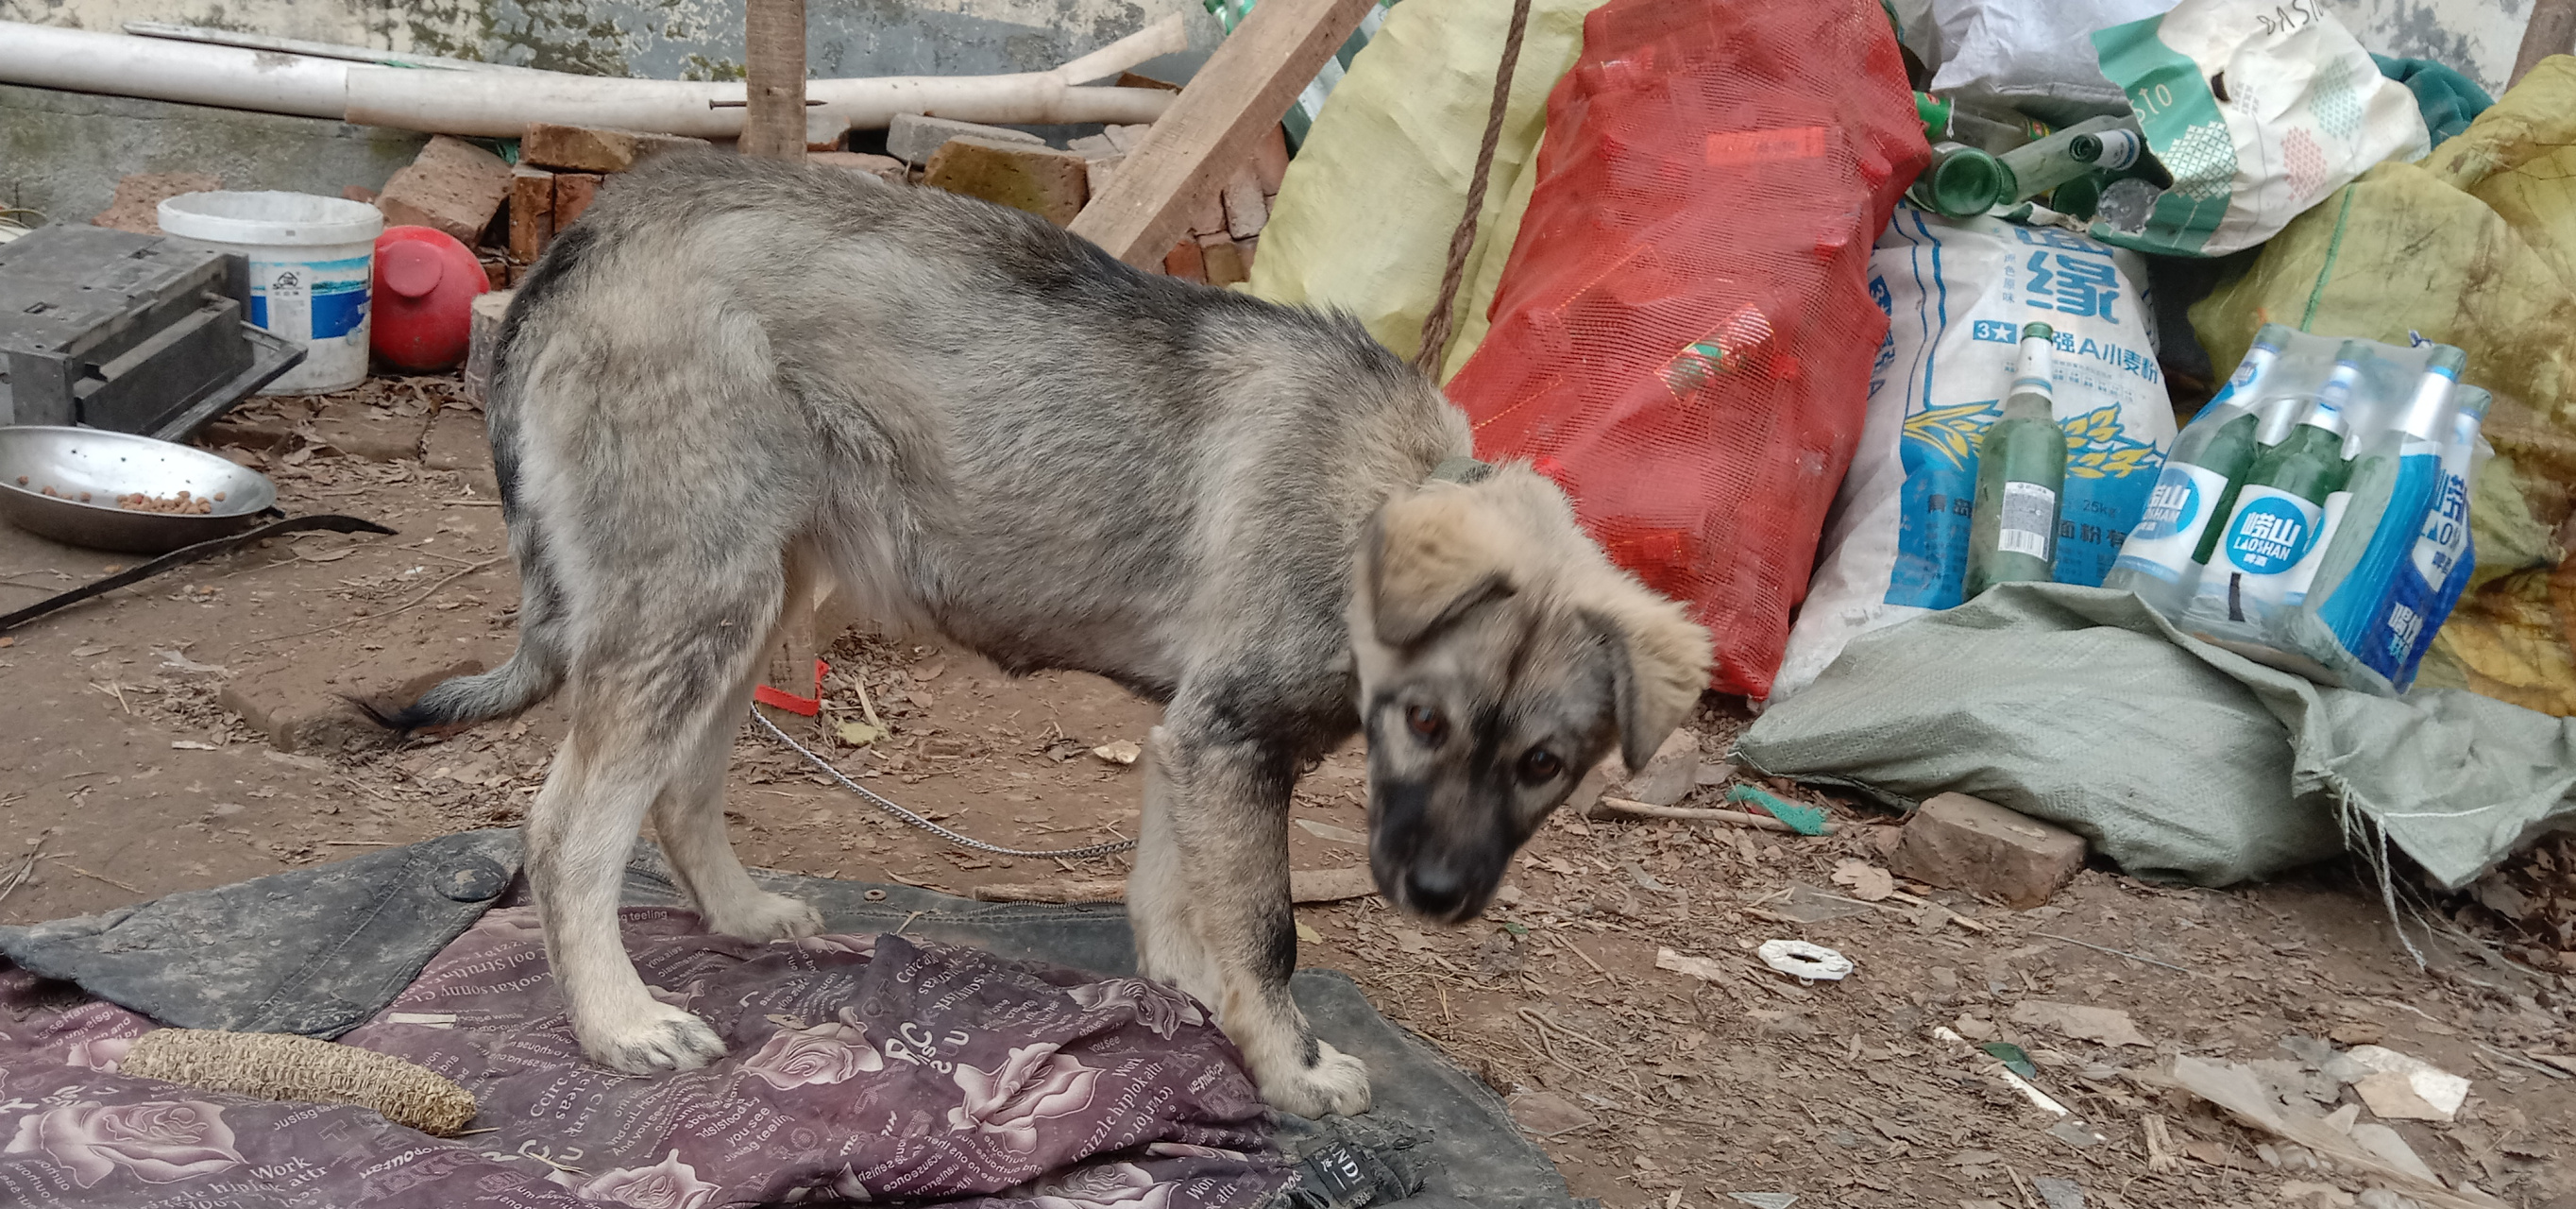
<point>1683,335</point>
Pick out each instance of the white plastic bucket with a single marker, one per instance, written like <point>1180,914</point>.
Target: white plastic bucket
<point>311,262</point>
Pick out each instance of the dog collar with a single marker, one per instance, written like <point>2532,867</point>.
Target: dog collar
<point>1463,471</point>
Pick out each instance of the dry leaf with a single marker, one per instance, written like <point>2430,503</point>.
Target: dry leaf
<point>1120,752</point>
<point>1306,932</point>
<point>1868,882</point>
<point>326,556</point>
<point>859,734</point>
<point>95,648</point>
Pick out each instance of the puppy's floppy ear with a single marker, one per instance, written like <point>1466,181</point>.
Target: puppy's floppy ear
<point>1659,662</point>
<point>1432,556</point>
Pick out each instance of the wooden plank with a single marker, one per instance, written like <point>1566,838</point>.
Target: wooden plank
<point>2551,31</point>
<point>773,37</point>
<point>1215,125</point>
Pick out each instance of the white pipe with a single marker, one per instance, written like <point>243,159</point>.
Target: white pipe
<point>501,105</point>
<point>298,46</point>
<point>187,72</point>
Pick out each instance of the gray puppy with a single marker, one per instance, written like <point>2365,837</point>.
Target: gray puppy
<point>734,376</point>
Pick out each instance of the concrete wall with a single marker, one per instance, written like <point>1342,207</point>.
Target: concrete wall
<point>2476,37</point>
<point>62,152</point>
<point>661,39</point>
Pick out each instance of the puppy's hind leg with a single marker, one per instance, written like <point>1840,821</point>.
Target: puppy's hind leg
<point>580,831</point>
<point>689,820</point>
<point>1210,906</point>
<point>658,694</point>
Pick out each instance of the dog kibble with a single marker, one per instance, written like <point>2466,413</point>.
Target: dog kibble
<point>180,504</point>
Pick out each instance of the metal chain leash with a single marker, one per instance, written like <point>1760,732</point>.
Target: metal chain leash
<point>918,821</point>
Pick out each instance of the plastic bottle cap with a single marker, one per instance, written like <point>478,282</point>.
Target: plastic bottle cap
<point>1966,183</point>
<point>410,269</point>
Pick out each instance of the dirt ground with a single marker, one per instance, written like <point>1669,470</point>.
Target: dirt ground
<point>124,776</point>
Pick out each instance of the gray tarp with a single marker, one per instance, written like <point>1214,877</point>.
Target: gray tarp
<point>2173,757</point>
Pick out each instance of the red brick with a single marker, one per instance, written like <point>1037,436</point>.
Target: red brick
<point>596,148</point>
<point>1185,262</point>
<point>1245,212</point>
<point>1224,261</point>
<point>1046,182</point>
<point>1962,843</point>
<point>453,187</point>
<point>574,191</point>
<point>1270,159</point>
<point>883,167</point>
<point>1208,216</point>
<point>532,211</point>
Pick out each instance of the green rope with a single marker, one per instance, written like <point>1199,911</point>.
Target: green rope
<point>1805,820</point>
<point>2334,248</point>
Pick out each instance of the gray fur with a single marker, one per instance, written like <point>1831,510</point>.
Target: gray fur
<point>734,380</point>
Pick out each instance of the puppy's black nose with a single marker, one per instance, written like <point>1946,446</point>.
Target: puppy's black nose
<point>1435,890</point>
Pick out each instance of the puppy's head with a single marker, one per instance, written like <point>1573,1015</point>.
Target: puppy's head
<point>1500,655</point>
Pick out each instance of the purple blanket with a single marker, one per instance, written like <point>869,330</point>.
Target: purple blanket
<point>858,1068</point>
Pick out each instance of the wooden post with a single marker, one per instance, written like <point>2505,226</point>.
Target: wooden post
<point>1212,129</point>
<point>2551,31</point>
<point>773,44</point>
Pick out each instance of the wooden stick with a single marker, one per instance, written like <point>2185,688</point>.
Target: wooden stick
<point>1694,814</point>
<point>1209,131</point>
<point>773,45</point>
<point>2551,31</point>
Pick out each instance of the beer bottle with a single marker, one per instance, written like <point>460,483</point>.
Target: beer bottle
<point>2021,467</point>
<point>2162,557</point>
<point>2281,506</point>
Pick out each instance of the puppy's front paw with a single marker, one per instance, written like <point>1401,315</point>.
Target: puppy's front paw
<point>1336,1084</point>
<point>643,1042</point>
<point>765,917</point>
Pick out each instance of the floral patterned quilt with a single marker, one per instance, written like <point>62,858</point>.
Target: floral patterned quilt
<point>860,1068</point>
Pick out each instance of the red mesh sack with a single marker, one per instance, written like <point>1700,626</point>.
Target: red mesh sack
<point>1683,336</point>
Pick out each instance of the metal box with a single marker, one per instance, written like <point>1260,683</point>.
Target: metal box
<point>130,333</point>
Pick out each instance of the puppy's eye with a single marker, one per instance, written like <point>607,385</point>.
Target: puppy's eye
<point>1426,723</point>
<point>1538,765</point>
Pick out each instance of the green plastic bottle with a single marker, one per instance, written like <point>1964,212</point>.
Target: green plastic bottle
<point>2021,469</point>
<point>2280,510</point>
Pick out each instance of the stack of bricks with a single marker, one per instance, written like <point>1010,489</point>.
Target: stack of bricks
<point>509,214</point>
<point>1226,231</point>
<point>1017,169</point>
<point>558,176</point>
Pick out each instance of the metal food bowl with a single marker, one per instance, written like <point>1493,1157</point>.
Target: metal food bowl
<point>109,464</point>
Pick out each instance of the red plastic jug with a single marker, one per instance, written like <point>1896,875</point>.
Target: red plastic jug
<point>424,298</point>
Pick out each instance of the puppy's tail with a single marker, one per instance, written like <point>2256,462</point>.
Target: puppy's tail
<point>531,675</point>
<point>536,669</point>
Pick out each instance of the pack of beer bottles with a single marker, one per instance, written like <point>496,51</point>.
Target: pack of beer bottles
<point>2315,515</point>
